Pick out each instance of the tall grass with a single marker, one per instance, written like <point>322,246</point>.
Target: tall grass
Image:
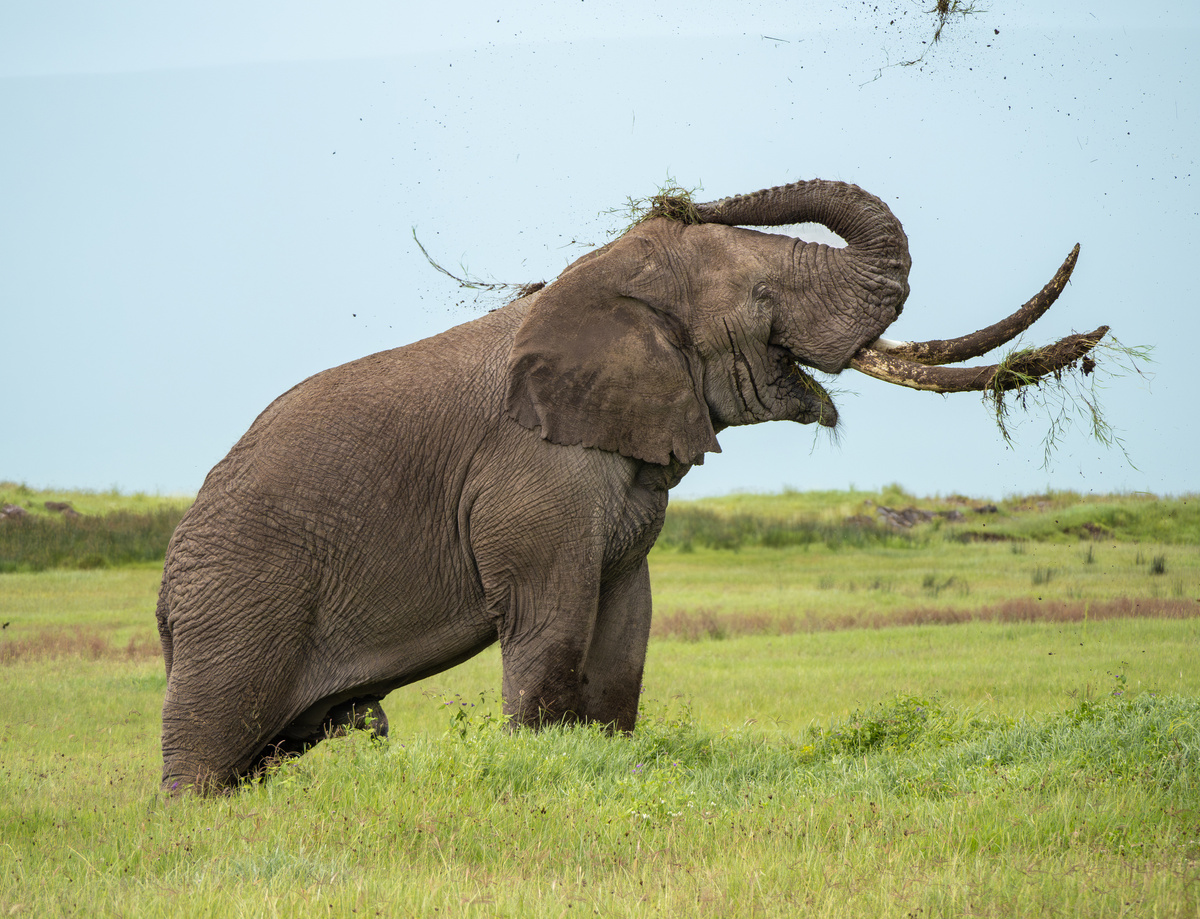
<point>101,530</point>
<point>689,525</point>
<point>117,529</point>
<point>37,542</point>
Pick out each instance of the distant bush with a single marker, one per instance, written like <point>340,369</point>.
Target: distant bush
<point>1125,518</point>
<point>36,542</point>
<point>688,526</point>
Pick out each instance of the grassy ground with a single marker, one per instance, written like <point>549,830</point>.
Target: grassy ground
<point>803,588</point>
<point>1091,808</point>
<point>898,729</point>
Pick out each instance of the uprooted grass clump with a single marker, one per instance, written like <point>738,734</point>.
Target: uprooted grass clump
<point>1068,397</point>
<point>671,201</point>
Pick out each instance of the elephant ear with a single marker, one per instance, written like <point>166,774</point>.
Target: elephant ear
<point>598,369</point>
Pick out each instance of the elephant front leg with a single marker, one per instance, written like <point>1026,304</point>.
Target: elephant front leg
<point>541,683</point>
<point>545,627</point>
<point>611,684</point>
<point>580,656</point>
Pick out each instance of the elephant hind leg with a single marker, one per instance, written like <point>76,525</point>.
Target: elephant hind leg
<point>217,716</point>
<point>365,714</point>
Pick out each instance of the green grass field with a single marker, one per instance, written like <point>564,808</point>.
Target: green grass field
<point>898,724</point>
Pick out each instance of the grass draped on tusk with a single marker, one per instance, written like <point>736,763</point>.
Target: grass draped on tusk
<point>1022,368</point>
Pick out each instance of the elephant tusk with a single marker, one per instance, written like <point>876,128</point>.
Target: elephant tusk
<point>1022,368</point>
<point>953,350</point>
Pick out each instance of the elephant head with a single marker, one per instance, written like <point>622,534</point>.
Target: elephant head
<point>652,344</point>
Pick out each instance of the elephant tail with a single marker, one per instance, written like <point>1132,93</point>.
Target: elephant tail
<point>161,613</point>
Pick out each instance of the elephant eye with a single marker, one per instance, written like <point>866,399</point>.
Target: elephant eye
<point>762,292</point>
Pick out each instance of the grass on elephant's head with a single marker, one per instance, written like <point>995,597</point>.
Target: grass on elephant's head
<point>671,201</point>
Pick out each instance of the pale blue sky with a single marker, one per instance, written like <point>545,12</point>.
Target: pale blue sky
<point>202,204</point>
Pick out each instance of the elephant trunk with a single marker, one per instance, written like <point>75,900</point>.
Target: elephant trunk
<point>872,269</point>
<point>869,227</point>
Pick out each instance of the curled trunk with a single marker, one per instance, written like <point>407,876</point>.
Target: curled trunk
<point>877,261</point>
<point>867,280</point>
<point>866,224</point>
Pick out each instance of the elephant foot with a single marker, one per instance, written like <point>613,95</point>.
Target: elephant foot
<point>205,783</point>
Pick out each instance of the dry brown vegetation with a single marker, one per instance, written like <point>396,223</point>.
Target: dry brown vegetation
<point>689,625</point>
<point>697,624</point>
<point>86,644</point>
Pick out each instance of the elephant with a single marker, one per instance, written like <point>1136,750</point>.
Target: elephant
<point>504,480</point>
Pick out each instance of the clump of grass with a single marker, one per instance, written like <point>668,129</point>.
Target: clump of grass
<point>1068,398</point>
<point>933,584</point>
<point>1158,565</point>
<point>1042,576</point>
<point>896,725</point>
<point>672,201</point>
<point>942,11</point>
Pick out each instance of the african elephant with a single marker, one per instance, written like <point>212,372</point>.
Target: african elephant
<point>504,481</point>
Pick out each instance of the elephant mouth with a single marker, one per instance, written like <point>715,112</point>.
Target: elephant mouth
<point>919,365</point>
<point>813,400</point>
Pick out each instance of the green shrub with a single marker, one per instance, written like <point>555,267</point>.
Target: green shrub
<point>689,525</point>
<point>36,542</point>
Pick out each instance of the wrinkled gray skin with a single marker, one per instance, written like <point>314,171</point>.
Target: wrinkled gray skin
<point>389,518</point>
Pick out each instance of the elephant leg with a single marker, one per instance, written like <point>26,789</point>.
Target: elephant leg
<point>579,653</point>
<point>541,681</point>
<point>612,674</point>
<point>544,634</point>
<point>225,702</point>
<point>208,744</point>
